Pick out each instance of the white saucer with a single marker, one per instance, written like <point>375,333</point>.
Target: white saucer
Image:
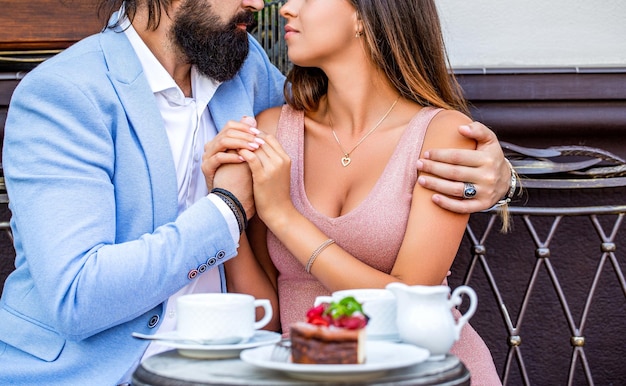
<point>214,351</point>
<point>388,337</point>
<point>381,357</point>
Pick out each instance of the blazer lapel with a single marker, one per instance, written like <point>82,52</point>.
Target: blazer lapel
<point>126,75</point>
<point>230,103</point>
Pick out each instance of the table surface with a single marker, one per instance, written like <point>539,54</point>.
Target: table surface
<point>170,368</point>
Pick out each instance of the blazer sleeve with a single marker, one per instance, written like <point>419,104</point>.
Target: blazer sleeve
<point>82,266</point>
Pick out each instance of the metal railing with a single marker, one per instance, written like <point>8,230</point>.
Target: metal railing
<point>269,32</point>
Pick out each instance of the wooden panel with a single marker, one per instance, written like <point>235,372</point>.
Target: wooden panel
<point>545,86</point>
<point>45,24</point>
<point>560,117</point>
<point>552,108</point>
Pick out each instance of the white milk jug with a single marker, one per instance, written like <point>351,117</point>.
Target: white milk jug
<point>424,315</point>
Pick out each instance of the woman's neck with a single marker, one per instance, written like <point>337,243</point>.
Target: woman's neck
<point>357,103</point>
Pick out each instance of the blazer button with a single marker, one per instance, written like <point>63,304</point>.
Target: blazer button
<point>202,268</point>
<point>192,274</point>
<point>154,320</point>
<point>211,261</point>
<point>220,255</point>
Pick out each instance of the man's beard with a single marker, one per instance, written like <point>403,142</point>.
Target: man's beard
<point>217,50</point>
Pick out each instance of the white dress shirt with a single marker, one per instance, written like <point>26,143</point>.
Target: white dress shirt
<point>189,126</point>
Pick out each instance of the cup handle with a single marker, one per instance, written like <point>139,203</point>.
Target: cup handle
<point>267,306</point>
<point>322,299</point>
<point>456,300</point>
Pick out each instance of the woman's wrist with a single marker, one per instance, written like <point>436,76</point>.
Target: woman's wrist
<point>280,214</point>
<point>513,185</point>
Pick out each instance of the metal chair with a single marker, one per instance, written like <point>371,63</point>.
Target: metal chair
<point>557,283</point>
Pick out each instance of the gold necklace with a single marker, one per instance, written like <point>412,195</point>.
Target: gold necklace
<point>346,160</point>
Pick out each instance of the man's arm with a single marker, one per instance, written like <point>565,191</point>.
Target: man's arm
<point>485,167</point>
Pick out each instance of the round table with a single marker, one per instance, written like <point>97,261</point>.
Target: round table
<point>170,368</point>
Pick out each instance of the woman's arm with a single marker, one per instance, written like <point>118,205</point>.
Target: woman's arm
<point>433,234</point>
<point>257,236</point>
<point>245,274</point>
<point>430,244</point>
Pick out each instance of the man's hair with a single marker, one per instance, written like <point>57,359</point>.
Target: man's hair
<point>404,40</point>
<point>106,8</point>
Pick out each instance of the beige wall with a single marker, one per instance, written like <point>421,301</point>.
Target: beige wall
<point>535,33</point>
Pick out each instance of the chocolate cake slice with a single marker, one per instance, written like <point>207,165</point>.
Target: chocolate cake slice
<point>333,334</point>
<point>326,345</point>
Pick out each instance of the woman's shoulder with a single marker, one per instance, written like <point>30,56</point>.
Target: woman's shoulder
<point>443,130</point>
<point>445,117</point>
<point>268,120</point>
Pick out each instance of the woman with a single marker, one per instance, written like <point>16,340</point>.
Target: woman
<point>369,90</point>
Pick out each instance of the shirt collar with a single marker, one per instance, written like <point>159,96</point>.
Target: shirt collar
<point>158,78</point>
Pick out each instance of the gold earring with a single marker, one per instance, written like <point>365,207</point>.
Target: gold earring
<point>359,34</point>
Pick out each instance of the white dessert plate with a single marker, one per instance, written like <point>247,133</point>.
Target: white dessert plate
<point>219,351</point>
<point>381,357</point>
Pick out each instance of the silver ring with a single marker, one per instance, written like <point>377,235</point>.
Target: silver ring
<point>469,190</point>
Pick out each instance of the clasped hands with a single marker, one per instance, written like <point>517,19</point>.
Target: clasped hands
<point>250,164</point>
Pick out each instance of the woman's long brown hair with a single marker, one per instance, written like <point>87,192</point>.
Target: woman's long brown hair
<point>403,39</point>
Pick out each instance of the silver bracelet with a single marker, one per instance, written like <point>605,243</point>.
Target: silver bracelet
<point>512,186</point>
<point>316,253</point>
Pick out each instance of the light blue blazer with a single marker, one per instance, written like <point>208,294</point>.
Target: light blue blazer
<point>93,193</point>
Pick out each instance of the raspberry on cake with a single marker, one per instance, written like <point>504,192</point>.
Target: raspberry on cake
<point>334,333</point>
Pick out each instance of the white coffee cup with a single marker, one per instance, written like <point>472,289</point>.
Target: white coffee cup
<point>378,304</point>
<point>225,317</point>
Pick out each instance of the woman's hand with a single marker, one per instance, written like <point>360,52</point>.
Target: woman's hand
<point>222,149</point>
<point>271,176</point>
<point>484,167</point>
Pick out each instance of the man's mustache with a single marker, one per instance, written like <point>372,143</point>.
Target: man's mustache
<point>245,17</point>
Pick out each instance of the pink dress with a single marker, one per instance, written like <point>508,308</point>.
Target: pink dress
<point>373,231</point>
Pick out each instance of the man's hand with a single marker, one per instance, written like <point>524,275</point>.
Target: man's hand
<point>224,147</point>
<point>224,168</point>
<point>484,167</point>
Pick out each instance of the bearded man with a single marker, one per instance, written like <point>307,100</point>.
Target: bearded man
<point>112,215</point>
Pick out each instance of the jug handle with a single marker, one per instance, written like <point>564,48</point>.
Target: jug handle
<point>456,300</point>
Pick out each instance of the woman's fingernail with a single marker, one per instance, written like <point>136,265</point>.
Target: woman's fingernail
<point>248,120</point>
<point>421,180</point>
<point>241,159</point>
<point>254,145</point>
<point>419,165</point>
<point>255,131</point>
<point>258,140</point>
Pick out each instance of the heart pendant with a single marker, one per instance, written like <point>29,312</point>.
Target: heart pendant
<point>345,161</point>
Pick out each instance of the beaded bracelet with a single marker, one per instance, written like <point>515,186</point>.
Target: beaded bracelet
<point>234,205</point>
<point>316,253</point>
